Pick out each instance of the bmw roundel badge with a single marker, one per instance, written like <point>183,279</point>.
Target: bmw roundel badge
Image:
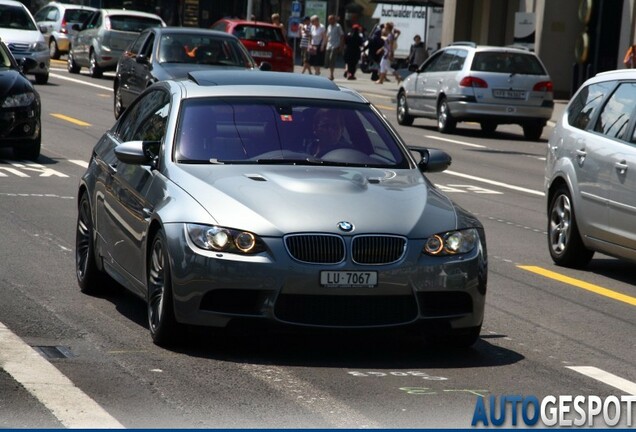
<point>345,226</point>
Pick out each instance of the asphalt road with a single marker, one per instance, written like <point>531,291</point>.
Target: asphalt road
<point>547,331</point>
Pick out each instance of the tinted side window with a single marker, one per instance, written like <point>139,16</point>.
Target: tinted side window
<point>616,113</point>
<point>457,63</point>
<point>444,61</point>
<point>145,120</point>
<point>147,49</point>
<point>136,45</point>
<point>430,65</point>
<point>586,103</point>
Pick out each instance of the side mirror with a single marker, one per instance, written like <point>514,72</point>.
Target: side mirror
<point>413,68</point>
<point>26,64</point>
<point>142,59</point>
<point>43,29</point>
<point>265,66</point>
<point>138,152</point>
<point>432,160</point>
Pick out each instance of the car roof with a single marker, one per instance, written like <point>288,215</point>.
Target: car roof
<point>68,6</point>
<point>129,12</point>
<point>12,3</point>
<point>190,30</point>
<point>257,83</point>
<point>248,22</point>
<point>474,47</point>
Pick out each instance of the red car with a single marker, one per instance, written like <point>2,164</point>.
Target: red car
<point>265,42</point>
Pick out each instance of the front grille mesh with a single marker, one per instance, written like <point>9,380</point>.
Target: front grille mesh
<point>316,248</point>
<point>330,249</point>
<point>377,249</point>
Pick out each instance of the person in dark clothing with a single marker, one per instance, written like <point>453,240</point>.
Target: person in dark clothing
<point>374,44</point>
<point>353,43</point>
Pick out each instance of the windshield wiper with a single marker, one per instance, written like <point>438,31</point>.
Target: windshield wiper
<point>305,161</point>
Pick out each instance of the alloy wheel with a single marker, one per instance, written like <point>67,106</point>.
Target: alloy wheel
<point>156,285</point>
<point>560,223</point>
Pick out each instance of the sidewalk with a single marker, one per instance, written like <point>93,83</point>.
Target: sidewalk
<point>363,84</point>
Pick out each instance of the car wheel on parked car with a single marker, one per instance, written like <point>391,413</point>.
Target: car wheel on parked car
<point>93,68</point>
<point>71,65</point>
<point>445,121</point>
<point>532,130</point>
<point>488,127</point>
<point>403,116</point>
<point>564,239</point>
<point>54,52</point>
<point>161,321</point>
<point>42,78</point>
<point>117,103</point>
<point>88,275</point>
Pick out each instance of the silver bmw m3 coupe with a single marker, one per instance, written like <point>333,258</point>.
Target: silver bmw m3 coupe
<point>249,194</point>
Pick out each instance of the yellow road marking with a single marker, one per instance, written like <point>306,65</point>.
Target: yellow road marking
<point>390,108</point>
<point>71,119</point>
<point>581,284</point>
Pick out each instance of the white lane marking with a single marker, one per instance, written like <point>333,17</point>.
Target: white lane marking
<point>331,409</point>
<point>607,378</point>
<point>71,406</point>
<point>455,141</point>
<point>41,169</point>
<point>81,163</point>
<point>62,77</point>
<point>495,183</point>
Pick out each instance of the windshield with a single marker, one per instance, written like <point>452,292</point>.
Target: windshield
<point>131,23</point>
<point>276,130</point>
<point>507,62</point>
<point>15,17</point>
<point>203,49</point>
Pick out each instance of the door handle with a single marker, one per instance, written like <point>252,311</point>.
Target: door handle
<point>621,167</point>
<point>580,155</point>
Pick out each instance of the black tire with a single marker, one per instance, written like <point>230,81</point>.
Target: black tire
<point>71,65</point>
<point>488,127</point>
<point>29,150</point>
<point>403,116</point>
<point>42,78</point>
<point>93,68</point>
<point>564,239</point>
<point>445,121</point>
<point>162,324</point>
<point>54,51</point>
<point>455,339</point>
<point>118,106</point>
<point>89,277</point>
<point>532,130</point>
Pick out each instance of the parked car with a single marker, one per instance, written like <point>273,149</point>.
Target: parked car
<point>590,176</point>
<point>23,38</point>
<point>57,20</point>
<point>484,84</point>
<point>161,53</point>
<point>266,42</point>
<point>20,126</point>
<point>248,194</point>
<point>104,36</point>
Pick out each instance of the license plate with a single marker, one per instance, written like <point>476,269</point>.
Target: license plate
<point>348,279</point>
<point>509,94</point>
<point>262,54</point>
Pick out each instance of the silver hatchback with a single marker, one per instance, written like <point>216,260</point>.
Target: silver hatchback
<point>57,20</point>
<point>485,84</point>
<point>590,176</point>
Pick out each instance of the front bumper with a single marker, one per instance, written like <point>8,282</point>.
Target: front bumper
<point>211,289</point>
<point>42,58</point>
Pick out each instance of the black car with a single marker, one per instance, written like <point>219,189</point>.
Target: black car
<point>163,53</point>
<point>19,107</point>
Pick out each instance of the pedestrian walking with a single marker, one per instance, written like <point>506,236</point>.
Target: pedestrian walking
<point>335,43</point>
<point>353,44</point>
<point>418,52</point>
<point>390,35</point>
<point>317,44</point>
<point>305,39</point>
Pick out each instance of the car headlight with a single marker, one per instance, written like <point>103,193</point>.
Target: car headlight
<point>221,239</point>
<point>38,46</point>
<point>19,100</point>
<point>451,242</point>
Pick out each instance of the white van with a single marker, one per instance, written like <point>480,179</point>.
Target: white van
<point>23,38</point>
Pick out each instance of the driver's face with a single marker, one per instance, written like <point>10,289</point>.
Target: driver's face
<point>328,129</point>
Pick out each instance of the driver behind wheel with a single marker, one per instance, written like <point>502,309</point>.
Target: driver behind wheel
<point>328,132</point>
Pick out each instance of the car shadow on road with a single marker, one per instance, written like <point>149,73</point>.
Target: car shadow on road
<point>613,268</point>
<point>339,349</point>
<point>470,132</point>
